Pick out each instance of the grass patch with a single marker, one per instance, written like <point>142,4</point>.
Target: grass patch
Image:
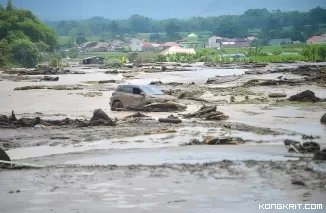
<point>277,58</point>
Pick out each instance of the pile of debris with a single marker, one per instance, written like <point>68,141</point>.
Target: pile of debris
<point>54,87</point>
<point>271,82</point>
<point>135,118</point>
<point>208,113</point>
<point>49,78</point>
<point>100,118</point>
<point>223,79</point>
<point>306,147</point>
<point>159,83</point>
<point>168,106</point>
<point>211,140</point>
<point>41,70</point>
<point>320,155</point>
<point>170,119</point>
<point>305,96</point>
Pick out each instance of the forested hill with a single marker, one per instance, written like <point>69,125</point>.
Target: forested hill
<point>269,24</point>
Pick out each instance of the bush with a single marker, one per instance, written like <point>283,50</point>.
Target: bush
<point>277,53</point>
<point>314,52</point>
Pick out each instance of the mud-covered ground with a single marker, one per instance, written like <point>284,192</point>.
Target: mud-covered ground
<point>159,172</point>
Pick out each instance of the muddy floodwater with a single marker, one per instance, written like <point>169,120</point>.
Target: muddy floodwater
<point>138,163</point>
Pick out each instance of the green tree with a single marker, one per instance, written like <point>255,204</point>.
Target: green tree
<point>10,6</point>
<point>231,29</point>
<point>81,39</point>
<point>171,29</point>
<point>25,52</point>
<point>23,36</point>
<point>5,53</point>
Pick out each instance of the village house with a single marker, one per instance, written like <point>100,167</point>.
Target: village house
<point>115,45</point>
<point>279,42</point>
<point>236,42</point>
<point>170,44</point>
<point>136,45</point>
<point>177,49</point>
<point>317,39</point>
<point>215,42</point>
<point>147,46</point>
<point>93,60</point>
<point>95,46</point>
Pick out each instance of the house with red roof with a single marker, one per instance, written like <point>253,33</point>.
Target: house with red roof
<point>170,44</point>
<point>317,39</point>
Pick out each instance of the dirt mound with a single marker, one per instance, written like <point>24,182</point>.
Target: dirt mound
<point>208,113</point>
<point>305,96</point>
<point>321,155</point>
<point>3,155</point>
<point>323,118</point>
<point>100,118</point>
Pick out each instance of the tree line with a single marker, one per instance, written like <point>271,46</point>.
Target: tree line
<point>23,37</point>
<point>268,25</point>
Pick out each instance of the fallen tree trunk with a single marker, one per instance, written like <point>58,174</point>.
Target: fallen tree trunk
<point>169,120</point>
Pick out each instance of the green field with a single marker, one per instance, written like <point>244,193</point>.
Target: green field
<point>272,49</point>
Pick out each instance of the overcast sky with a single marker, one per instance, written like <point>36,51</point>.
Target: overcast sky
<point>157,9</point>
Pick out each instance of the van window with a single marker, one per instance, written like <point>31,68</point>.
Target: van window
<point>136,91</point>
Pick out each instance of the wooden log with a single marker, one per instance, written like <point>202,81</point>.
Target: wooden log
<point>169,120</point>
<point>295,149</point>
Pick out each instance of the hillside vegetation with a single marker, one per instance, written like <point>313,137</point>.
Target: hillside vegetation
<point>23,37</point>
<point>258,22</point>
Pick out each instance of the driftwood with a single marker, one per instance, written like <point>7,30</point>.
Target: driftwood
<point>161,131</point>
<point>295,149</point>
<point>208,113</point>
<point>277,95</point>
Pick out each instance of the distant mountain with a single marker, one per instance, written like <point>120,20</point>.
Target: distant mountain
<point>156,9</point>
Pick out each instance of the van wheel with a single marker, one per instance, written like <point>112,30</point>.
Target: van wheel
<point>116,105</point>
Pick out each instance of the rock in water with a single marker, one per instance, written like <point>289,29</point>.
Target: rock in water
<point>305,96</point>
<point>321,155</point>
<point>4,118</point>
<point>3,155</point>
<point>99,114</point>
<point>323,119</point>
<point>311,147</point>
<point>28,122</point>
